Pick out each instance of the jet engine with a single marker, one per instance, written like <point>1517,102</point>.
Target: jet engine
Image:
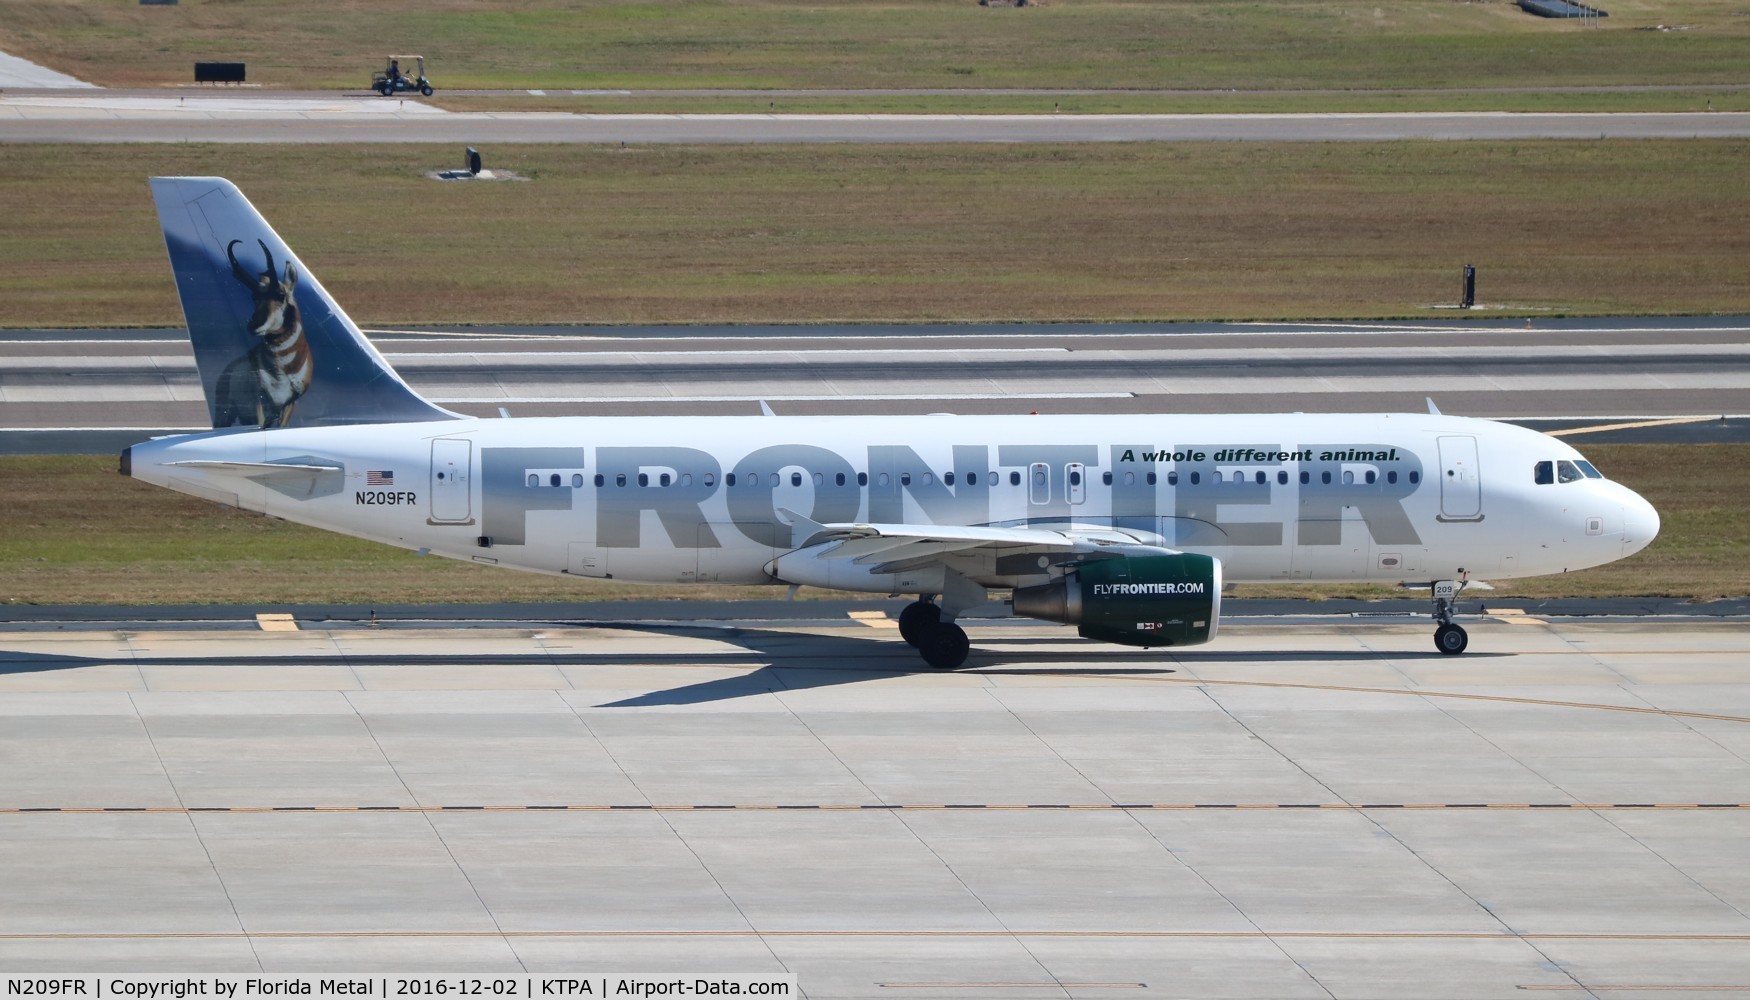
<point>1165,600</point>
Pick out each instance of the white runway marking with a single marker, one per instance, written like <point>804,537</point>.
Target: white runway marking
<point>811,398</point>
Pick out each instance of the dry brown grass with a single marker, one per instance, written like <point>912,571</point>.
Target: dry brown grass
<point>77,533</point>
<point>893,43</point>
<point>907,233</point>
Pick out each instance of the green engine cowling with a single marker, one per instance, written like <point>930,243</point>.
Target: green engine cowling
<point>1167,600</point>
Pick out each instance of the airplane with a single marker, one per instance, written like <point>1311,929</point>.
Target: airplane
<point>1127,527</point>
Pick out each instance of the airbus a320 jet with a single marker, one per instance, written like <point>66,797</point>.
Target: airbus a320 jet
<point>1126,527</point>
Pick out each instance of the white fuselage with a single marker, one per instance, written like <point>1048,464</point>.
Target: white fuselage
<point>1291,497</point>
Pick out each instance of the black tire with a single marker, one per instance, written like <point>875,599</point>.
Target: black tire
<point>1451,639</point>
<point>945,646</point>
<point>425,88</point>
<point>917,619</point>
<point>387,90</point>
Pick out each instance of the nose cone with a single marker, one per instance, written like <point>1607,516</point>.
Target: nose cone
<point>1640,524</point>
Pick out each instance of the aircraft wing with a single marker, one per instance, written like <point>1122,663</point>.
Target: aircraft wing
<point>897,548</point>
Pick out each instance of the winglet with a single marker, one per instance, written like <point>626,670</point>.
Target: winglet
<point>807,529</point>
<point>1435,410</point>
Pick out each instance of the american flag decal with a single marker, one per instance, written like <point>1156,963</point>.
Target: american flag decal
<point>379,478</point>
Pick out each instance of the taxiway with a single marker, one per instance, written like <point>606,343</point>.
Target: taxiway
<point>1313,807</point>
<point>100,390</point>
<point>283,118</point>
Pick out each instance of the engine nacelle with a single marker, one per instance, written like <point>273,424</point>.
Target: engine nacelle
<point>1168,600</point>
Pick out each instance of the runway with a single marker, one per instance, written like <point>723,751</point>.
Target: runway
<point>207,117</point>
<point>88,390</point>
<point>1310,807</point>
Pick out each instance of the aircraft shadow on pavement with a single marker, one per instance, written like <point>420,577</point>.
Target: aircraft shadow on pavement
<point>795,661</point>
<point>783,660</point>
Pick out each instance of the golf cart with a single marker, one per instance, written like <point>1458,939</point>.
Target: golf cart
<point>392,80</point>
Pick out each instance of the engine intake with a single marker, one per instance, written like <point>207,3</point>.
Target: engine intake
<point>1167,600</point>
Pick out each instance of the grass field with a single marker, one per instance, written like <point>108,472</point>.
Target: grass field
<point>904,233</point>
<point>79,533</point>
<point>887,43</point>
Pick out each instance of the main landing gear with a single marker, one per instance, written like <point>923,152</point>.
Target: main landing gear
<point>943,644</point>
<point>1449,638</point>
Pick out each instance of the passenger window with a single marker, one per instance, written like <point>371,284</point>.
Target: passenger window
<point>663,480</point>
<point>948,479</point>
<point>862,479</point>
<point>1371,476</point>
<point>905,479</point>
<point>1075,478</point>
<point>882,479</point>
<point>1014,479</point>
<point>1282,477</point>
<point>819,480</point>
<point>1568,472</point>
<point>576,479</point>
<point>1197,477</point>
<point>1260,477</point>
<point>776,479</point>
<point>1544,473</point>
<point>534,480</point>
<point>1130,479</point>
<point>643,479</point>
<point>1415,477</point>
<point>1305,477</point>
<point>1106,478</point>
<point>620,480</point>
<point>729,480</point>
<point>839,479</point>
<point>929,477</point>
<point>686,479</point>
<point>711,479</point>
<point>972,479</point>
<point>795,479</point>
<point>1392,476</point>
<point>1348,477</point>
<point>599,480</point>
<point>1174,476</point>
<point>1325,478</point>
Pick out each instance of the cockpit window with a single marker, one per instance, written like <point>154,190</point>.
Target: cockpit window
<point>1545,473</point>
<point>1568,472</point>
<point>1587,468</point>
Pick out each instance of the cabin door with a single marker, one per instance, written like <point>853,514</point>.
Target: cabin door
<point>452,461</point>
<point>1461,482</point>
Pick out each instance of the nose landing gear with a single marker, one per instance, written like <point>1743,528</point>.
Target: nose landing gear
<point>1449,638</point>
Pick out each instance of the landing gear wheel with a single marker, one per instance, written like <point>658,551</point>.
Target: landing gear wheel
<point>917,619</point>
<point>1451,639</point>
<point>945,646</point>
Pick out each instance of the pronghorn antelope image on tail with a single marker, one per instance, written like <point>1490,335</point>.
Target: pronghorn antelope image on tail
<point>260,388</point>
<point>273,349</point>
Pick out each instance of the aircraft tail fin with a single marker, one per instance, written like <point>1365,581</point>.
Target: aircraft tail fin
<point>273,349</point>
